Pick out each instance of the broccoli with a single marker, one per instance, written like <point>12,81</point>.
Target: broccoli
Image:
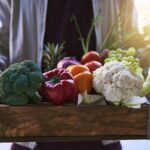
<point>19,83</point>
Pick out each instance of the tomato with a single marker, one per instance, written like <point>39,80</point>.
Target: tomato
<point>93,65</point>
<point>90,56</point>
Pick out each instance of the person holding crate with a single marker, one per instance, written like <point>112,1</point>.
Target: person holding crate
<point>25,25</point>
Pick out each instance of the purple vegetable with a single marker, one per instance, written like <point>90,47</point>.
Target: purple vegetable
<point>67,61</point>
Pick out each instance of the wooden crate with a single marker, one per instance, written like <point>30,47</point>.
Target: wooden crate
<point>72,123</point>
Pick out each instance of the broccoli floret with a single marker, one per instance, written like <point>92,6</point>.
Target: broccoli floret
<point>19,83</point>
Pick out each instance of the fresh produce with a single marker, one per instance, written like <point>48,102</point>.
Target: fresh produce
<point>146,85</point>
<point>85,42</point>
<point>93,65</point>
<point>134,102</point>
<point>82,77</point>
<point>85,98</point>
<point>19,83</point>
<point>120,81</point>
<point>83,81</point>
<point>76,69</point>
<point>103,55</point>
<point>67,61</point>
<point>127,57</point>
<point>95,56</point>
<point>59,86</point>
<point>52,54</point>
<point>90,56</point>
<point>93,59</point>
<point>116,82</point>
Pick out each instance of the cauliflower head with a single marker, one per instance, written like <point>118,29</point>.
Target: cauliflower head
<point>19,83</point>
<point>116,82</point>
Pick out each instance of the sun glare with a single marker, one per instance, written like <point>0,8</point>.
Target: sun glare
<point>143,12</point>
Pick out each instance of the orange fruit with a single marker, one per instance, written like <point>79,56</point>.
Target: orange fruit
<point>83,81</point>
<point>76,69</point>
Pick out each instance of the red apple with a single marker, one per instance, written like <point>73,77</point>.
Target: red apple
<point>90,56</point>
<point>93,65</point>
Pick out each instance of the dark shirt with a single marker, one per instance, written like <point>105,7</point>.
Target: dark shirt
<point>59,27</point>
<point>71,146</point>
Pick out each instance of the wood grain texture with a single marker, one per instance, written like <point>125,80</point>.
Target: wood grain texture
<point>72,123</point>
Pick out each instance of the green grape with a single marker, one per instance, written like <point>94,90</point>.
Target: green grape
<point>139,70</point>
<point>136,65</point>
<point>111,55</point>
<point>124,53</point>
<point>124,62</point>
<point>110,59</point>
<point>131,68</point>
<point>131,59</point>
<point>119,57</point>
<point>113,59</point>
<point>112,52</point>
<point>125,59</point>
<point>137,60</point>
<point>119,50</point>
<point>131,51</point>
<point>106,60</point>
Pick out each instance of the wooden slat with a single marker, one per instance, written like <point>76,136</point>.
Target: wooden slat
<point>38,123</point>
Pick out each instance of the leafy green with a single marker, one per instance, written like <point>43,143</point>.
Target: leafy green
<point>19,83</point>
<point>146,85</point>
<point>52,53</point>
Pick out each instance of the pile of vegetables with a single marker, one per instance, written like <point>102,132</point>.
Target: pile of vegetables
<point>117,80</point>
<point>127,57</point>
<point>110,76</point>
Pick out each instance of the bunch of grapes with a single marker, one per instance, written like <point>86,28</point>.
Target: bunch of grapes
<point>127,57</point>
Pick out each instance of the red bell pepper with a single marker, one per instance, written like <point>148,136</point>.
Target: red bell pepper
<point>59,86</point>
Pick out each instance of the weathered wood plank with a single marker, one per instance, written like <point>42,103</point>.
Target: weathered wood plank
<point>26,123</point>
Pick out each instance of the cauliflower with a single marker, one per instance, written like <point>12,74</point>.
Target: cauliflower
<point>116,82</point>
<point>19,83</point>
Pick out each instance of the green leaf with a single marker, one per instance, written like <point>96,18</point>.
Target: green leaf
<point>85,42</point>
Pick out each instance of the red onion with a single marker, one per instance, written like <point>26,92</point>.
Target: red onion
<point>67,61</point>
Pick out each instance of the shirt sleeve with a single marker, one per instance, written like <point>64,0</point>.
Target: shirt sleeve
<point>4,32</point>
<point>109,10</point>
<point>23,146</point>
